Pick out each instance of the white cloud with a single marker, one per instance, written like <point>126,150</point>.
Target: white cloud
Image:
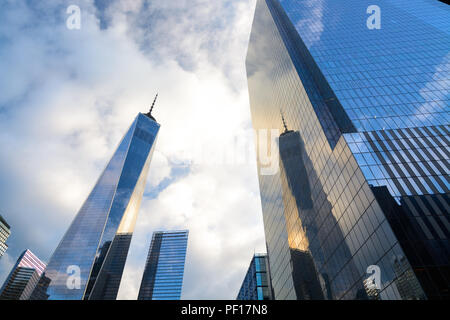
<point>71,94</point>
<point>221,210</point>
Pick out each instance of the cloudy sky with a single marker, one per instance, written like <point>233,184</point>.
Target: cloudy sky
<point>68,96</point>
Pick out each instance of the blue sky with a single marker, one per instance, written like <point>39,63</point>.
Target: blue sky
<point>68,96</point>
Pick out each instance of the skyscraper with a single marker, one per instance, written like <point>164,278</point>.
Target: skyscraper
<point>164,269</point>
<point>5,231</point>
<point>256,284</point>
<point>23,277</point>
<point>89,261</point>
<point>364,146</point>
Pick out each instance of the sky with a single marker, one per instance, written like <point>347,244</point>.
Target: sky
<point>67,96</point>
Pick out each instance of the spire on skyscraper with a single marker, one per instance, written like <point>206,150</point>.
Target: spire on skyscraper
<point>284,123</point>
<point>98,240</point>
<point>149,114</point>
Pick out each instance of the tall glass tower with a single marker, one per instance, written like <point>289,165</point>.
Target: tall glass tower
<point>164,269</point>
<point>360,207</point>
<point>89,261</point>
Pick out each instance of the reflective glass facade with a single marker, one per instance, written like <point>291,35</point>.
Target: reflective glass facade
<point>4,235</point>
<point>164,269</point>
<point>363,174</point>
<point>98,239</point>
<point>24,276</point>
<point>256,284</point>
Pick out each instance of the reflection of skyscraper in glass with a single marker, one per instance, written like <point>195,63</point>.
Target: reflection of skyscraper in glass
<point>371,289</point>
<point>98,239</point>
<point>361,119</point>
<point>301,227</point>
<point>256,284</point>
<point>23,277</point>
<point>164,269</point>
<point>4,234</point>
<point>403,282</point>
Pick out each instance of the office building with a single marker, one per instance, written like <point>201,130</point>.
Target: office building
<point>89,261</point>
<point>5,231</point>
<point>23,277</point>
<point>256,284</point>
<point>164,269</point>
<point>361,108</point>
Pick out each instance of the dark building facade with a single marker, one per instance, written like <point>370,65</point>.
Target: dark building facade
<point>89,261</point>
<point>256,284</point>
<point>164,269</point>
<point>363,146</point>
<point>24,276</point>
<point>5,232</point>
